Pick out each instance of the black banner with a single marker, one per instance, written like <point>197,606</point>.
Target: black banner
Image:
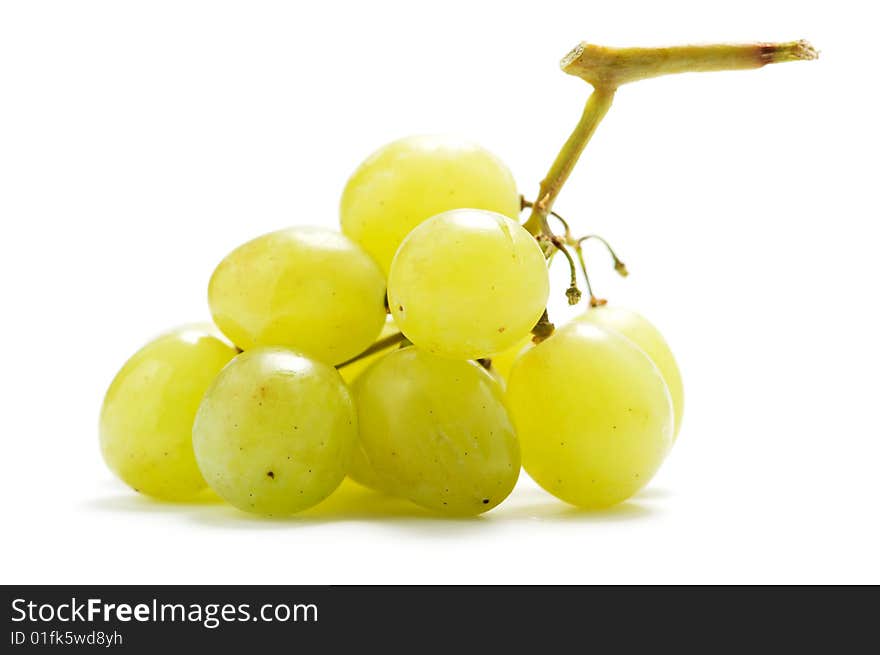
<point>412,619</point>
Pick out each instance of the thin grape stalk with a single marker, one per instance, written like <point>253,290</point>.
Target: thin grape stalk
<point>598,405</point>
<point>607,69</point>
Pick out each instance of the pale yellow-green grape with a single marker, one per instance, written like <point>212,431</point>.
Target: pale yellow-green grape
<point>148,412</point>
<point>275,432</point>
<point>502,362</point>
<point>361,470</point>
<point>412,179</point>
<point>468,283</point>
<point>647,337</point>
<point>437,430</point>
<point>307,288</point>
<point>593,414</point>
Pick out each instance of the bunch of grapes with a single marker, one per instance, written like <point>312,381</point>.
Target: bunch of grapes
<point>411,351</point>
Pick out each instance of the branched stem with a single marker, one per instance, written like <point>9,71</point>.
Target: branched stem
<point>568,238</point>
<point>606,69</point>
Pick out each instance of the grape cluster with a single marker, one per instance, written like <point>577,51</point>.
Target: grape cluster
<point>398,352</point>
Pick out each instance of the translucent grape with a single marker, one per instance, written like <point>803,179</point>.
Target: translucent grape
<point>307,288</point>
<point>468,283</point>
<point>275,432</point>
<point>647,337</point>
<point>593,414</point>
<point>412,179</point>
<point>503,362</point>
<point>148,412</point>
<point>437,432</point>
<point>361,470</point>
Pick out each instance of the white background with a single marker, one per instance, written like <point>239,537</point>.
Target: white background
<point>141,141</point>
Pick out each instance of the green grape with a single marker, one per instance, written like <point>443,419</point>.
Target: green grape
<point>593,413</point>
<point>502,362</point>
<point>468,283</point>
<point>412,179</point>
<point>275,432</point>
<point>436,430</point>
<point>148,412</point>
<point>306,288</point>
<point>360,470</point>
<point>637,329</point>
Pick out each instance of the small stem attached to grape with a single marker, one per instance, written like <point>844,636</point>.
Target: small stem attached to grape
<point>378,346</point>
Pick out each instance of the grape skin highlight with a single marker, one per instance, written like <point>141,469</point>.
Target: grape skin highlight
<point>307,288</point>
<point>412,179</point>
<point>468,283</point>
<point>593,414</point>
<point>437,432</point>
<point>148,412</point>
<point>275,432</point>
<point>640,331</point>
